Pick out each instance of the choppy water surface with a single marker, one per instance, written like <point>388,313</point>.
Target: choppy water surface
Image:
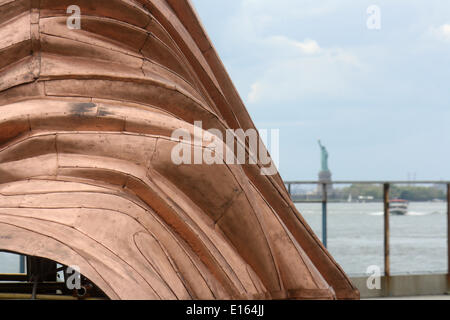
<point>355,236</point>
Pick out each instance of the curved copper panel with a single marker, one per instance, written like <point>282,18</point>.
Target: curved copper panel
<point>86,177</point>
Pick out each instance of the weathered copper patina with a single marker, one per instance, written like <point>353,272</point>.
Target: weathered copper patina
<point>86,176</point>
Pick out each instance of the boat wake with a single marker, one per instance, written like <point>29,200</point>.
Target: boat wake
<point>409,213</point>
<point>413,213</point>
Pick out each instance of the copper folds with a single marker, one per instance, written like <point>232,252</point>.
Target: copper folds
<point>86,175</point>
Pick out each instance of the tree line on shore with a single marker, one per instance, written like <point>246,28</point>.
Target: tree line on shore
<point>410,193</point>
<point>362,192</point>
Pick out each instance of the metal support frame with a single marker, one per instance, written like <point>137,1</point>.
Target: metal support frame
<point>40,281</point>
<point>387,257</point>
<point>22,264</point>
<point>448,237</point>
<point>324,215</point>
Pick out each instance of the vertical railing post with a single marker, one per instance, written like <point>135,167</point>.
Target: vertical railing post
<point>387,265</point>
<point>21,264</point>
<point>324,215</point>
<point>448,237</point>
<point>289,190</point>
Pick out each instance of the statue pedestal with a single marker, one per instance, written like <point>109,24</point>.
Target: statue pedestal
<point>325,177</point>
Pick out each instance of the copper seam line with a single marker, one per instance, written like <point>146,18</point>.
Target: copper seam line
<point>168,258</point>
<point>206,238</point>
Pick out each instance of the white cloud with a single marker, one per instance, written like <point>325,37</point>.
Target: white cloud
<point>285,64</point>
<point>303,69</point>
<point>255,92</point>
<point>446,30</point>
<point>254,18</point>
<point>291,9</point>
<point>308,46</point>
<point>442,32</point>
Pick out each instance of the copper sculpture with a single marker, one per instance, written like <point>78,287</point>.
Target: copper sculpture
<point>86,177</point>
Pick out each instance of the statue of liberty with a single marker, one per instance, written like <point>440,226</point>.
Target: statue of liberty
<point>325,175</point>
<point>324,157</point>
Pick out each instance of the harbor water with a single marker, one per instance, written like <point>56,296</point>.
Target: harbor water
<point>356,236</point>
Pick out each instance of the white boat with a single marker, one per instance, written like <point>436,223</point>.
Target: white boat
<point>398,207</point>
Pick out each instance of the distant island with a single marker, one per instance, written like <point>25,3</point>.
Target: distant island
<point>374,193</point>
<point>410,193</point>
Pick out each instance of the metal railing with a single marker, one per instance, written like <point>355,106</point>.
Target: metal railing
<point>386,200</point>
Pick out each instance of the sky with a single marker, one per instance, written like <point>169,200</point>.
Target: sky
<point>378,98</point>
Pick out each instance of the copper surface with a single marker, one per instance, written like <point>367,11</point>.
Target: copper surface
<point>86,176</point>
